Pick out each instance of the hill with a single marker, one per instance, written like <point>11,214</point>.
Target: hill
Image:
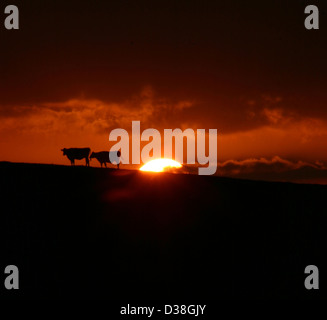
<point>77,232</point>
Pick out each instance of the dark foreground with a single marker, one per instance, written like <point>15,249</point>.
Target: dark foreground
<point>77,232</point>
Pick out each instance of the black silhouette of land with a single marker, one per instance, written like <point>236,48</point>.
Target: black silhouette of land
<point>77,232</point>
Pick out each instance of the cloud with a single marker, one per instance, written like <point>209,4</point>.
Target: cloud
<point>272,129</point>
<point>92,115</point>
<point>36,133</point>
<point>274,169</point>
<point>282,132</point>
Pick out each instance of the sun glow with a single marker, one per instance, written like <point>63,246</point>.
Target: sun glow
<point>159,165</point>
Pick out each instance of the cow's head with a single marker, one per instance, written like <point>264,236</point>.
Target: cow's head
<point>92,155</point>
<point>64,151</point>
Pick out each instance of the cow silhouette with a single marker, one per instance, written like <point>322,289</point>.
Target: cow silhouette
<point>77,154</point>
<point>105,157</point>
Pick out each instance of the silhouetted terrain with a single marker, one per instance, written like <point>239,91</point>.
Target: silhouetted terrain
<point>77,232</point>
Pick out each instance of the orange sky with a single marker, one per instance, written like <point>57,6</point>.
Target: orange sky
<point>250,70</point>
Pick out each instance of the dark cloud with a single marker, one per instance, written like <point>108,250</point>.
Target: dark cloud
<point>275,169</point>
<point>232,59</point>
<point>97,116</point>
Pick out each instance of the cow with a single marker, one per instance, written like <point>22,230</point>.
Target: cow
<point>104,156</point>
<point>77,154</point>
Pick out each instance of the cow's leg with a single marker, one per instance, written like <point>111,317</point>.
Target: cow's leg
<point>105,164</point>
<point>87,161</point>
<point>118,165</point>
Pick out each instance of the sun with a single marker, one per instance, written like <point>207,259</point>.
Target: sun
<point>159,165</point>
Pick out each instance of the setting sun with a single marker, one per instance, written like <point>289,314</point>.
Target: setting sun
<point>159,165</point>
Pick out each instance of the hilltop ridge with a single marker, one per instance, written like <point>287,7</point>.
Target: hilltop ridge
<point>79,232</point>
